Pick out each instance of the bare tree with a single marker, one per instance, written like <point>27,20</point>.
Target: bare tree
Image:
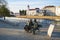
<point>3,2</point>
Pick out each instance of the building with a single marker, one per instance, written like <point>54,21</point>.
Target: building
<point>17,14</point>
<point>58,10</point>
<point>14,14</point>
<point>52,10</point>
<point>33,12</point>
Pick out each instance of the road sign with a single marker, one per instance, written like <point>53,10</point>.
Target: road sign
<point>50,30</point>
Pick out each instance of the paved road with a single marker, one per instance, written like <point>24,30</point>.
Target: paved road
<point>17,34</point>
<point>9,32</point>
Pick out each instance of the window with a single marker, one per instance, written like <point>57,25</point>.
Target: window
<point>37,10</point>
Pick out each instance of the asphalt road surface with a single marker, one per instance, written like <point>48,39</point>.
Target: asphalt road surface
<point>9,32</point>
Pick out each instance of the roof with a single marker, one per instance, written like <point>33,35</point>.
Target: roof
<point>33,9</point>
<point>48,6</point>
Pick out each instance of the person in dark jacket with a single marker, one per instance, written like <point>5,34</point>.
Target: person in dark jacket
<point>28,26</point>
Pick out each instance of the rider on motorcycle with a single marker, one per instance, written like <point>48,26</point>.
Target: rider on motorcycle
<point>29,25</point>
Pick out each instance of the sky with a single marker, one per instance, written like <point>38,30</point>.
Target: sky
<point>16,5</point>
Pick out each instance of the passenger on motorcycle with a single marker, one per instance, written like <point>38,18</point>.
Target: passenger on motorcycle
<point>35,26</point>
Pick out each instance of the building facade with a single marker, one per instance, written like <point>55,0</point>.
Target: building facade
<point>52,10</point>
<point>58,10</point>
<point>33,12</point>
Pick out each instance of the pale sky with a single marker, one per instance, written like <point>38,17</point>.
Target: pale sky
<point>16,5</point>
